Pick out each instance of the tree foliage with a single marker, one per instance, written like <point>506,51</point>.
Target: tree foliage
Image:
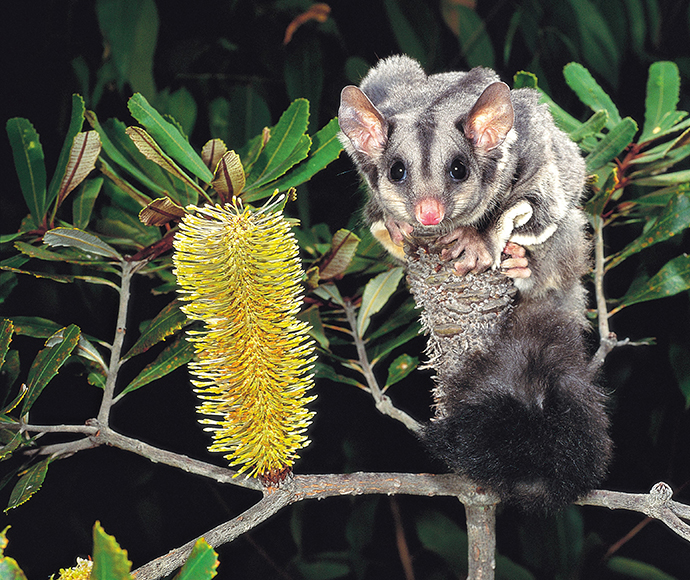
<point>98,215</point>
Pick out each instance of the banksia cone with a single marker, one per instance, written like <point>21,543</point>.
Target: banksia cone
<point>460,314</point>
<point>240,273</point>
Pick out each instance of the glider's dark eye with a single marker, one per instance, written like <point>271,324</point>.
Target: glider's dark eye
<point>398,171</point>
<point>458,170</point>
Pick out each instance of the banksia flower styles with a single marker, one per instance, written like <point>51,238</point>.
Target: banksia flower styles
<point>240,273</point>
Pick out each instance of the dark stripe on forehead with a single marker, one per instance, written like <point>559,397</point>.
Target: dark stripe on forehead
<point>426,130</point>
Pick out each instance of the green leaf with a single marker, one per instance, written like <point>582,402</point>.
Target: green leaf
<point>109,560</point>
<point>123,185</point>
<point>29,162</point>
<point>591,127</point>
<point>671,279</point>
<point>673,220</point>
<point>167,322</point>
<point>69,255</point>
<point>313,317</point>
<point>596,40</point>
<point>6,332</point>
<point>665,179</point>
<point>525,80</point>
<point>441,535</point>
<point>379,351</point>
<point>679,354</point>
<point>329,293</point>
<point>176,354</point>
<point>663,93</point>
<point>152,151</point>
<point>304,72</point>
<point>634,569</point>
<point>590,93</point>
<point>75,125</point>
<point>35,326</point>
<point>29,483</point>
<point>325,371</point>
<point>400,368</point>
<point>475,45</point>
<point>131,30</point>
<point>409,40</point>
<point>115,144</point>
<point>168,138</point>
<point>322,569</point>
<point>84,201</point>
<point>326,147</point>
<point>616,140</point>
<point>47,364</point>
<point>202,563</point>
<point>376,293</point>
<point>564,120</point>
<point>9,448</point>
<point>72,237</point>
<point>287,140</point>
<point>8,282</point>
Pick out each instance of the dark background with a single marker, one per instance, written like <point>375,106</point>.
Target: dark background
<point>151,509</point>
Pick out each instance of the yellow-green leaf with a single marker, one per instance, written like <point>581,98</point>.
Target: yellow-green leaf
<point>167,322</point>
<point>29,483</point>
<point>176,354</point>
<point>202,563</point>
<point>109,560</point>
<point>674,219</point>
<point>47,364</point>
<point>400,368</point>
<point>673,278</point>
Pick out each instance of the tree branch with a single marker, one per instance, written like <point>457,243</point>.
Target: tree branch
<point>226,532</point>
<point>481,537</point>
<point>107,436</point>
<point>656,504</point>
<point>128,270</point>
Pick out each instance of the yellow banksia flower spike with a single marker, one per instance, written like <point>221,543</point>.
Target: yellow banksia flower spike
<point>239,272</point>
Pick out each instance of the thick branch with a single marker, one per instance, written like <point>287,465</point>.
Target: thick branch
<point>481,537</point>
<point>226,532</point>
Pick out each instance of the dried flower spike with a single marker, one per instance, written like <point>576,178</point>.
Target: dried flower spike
<point>240,273</point>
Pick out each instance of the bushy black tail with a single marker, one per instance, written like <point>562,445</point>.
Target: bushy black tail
<point>526,419</point>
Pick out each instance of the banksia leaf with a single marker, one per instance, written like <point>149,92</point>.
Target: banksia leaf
<point>240,273</point>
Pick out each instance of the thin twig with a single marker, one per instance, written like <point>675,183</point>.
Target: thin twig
<point>128,270</point>
<point>383,402</point>
<point>220,474</point>
<point>607,339</point>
